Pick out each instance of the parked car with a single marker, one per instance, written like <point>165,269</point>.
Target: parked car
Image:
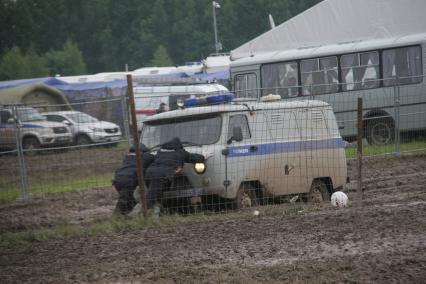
<point>35,130</point>
<point>86,129</point>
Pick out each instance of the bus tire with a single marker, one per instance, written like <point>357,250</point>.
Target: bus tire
<point>380,131</point>
<point>246,196</point>
<point>319,192</point>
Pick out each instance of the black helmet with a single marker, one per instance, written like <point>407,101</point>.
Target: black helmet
<point>174,144</point>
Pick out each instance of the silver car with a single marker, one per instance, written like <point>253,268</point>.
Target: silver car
<point>86,129</point>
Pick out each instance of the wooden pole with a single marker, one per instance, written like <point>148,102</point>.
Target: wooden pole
<point>136,144</point>
<point>359,148</point>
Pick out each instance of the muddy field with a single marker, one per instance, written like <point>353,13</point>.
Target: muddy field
<point>382,240</point>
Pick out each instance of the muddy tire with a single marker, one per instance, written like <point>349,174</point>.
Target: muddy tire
<point>29,144</point>
<point>246,197</point>
<point>380,131</point>
<point>82,140</point>
<point>318,192</point>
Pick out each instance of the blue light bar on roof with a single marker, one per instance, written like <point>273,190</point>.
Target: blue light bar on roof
<point>209,100</point>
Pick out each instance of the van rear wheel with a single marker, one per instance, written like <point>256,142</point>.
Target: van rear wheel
<point>319,192</point>
<point>246,196</point>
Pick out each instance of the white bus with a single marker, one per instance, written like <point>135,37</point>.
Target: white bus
<point>387,73</point>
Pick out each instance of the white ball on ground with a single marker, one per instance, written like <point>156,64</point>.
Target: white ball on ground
<point>256,213</point>
<point>339,199</point>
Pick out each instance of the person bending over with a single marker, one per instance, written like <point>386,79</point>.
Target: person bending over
<point>168,161</point>
<point>126,179</point>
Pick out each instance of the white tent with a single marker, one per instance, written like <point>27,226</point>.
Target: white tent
<point>340,21</point>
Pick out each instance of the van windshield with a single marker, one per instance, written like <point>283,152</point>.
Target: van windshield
<point>201,130</point>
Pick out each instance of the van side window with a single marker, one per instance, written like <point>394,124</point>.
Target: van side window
<point>56,118</point>
<point>4,116</point>
<point>239,120</point>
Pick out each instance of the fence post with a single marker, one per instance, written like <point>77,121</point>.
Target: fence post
<point>20,152</point>
<point>397,104</point>
<point>125,112</point>
<point>136,144</point>
<point>359,148</point>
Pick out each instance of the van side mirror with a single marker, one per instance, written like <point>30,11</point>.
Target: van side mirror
<point>237,134</point>
<point>66,122</point>
<point>11,120</point>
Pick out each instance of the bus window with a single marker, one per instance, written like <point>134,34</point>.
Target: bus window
<point>246,85</point>
<point>360,70</point>
<point>319,76</point>
<point>280,79</point>
<point>370,76</point>
<point>404,63</point>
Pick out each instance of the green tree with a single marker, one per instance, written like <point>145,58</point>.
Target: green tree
<point>13,65</point>
<point>161,58</point>
<point>36,64</point>
<point>112,33</point>
<point>66,62</point>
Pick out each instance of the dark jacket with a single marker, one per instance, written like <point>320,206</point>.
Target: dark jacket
<point>127,174</point>
<point>171,156</point>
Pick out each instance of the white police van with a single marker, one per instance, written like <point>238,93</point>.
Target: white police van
<point>255,150</point>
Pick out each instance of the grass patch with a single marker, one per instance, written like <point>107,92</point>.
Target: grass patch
<point>42,188</point>
<point>374,150</point>
<point>125,224</point>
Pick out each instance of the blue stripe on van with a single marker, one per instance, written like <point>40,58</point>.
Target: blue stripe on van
<point>24,125</point>
<point>28,125</point>
<point>286,147</point>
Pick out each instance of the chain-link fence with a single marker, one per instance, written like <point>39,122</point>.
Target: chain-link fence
<point>394,116</point>
<point>60,167</point>
<point>46,149</point>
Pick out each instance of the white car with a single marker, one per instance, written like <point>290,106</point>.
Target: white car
<point>85,128</point>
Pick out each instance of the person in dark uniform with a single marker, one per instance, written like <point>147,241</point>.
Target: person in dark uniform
<point>168,161</point>
<point>126,179</point>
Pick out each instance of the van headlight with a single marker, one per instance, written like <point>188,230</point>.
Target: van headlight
<point>200,168</point>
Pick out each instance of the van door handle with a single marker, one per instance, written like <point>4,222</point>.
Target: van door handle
<point>253,148</point>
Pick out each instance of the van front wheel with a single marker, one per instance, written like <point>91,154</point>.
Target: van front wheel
<point>319,192</point>
<point>246,196</point>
